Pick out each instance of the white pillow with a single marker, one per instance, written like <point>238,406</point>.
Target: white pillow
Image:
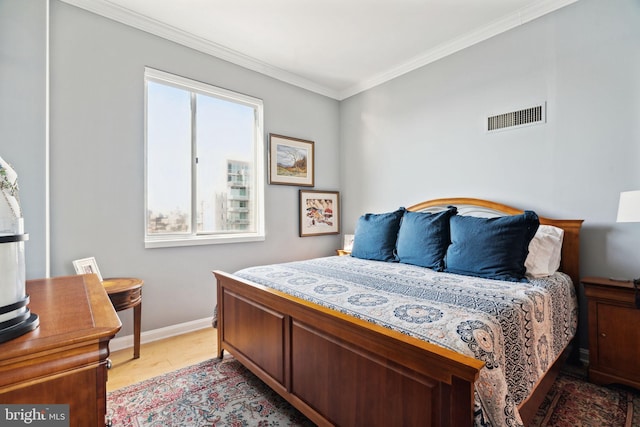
<point>544,251</point>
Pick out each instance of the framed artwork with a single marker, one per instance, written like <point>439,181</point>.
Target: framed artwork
<point>87,266</point>
<point>290,161</point>
<point>319,213</point>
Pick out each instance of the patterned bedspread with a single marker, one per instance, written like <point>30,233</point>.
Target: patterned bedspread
<point>517,329</point>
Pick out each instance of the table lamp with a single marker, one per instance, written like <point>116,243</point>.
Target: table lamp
<point>629,206</point>
<point>629,211</point>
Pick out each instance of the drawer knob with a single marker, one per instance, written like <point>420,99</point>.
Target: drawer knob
<point>603,335</point>
<point>109,364</point>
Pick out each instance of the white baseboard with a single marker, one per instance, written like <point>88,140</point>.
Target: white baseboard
<point>121,343</point>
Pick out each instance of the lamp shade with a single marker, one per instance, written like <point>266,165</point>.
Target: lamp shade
<point>629,206</point>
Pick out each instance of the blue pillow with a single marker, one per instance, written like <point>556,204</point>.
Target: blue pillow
<point>376,235</point>
<point>424,238</point>
<point>495,248</point>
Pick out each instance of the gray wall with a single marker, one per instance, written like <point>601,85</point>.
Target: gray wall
<point>421,136</point>
<point>23,117</point>
<point>417,137</point>
<point>97,163</point>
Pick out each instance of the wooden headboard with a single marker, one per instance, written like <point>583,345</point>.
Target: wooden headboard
<point>570,262</point>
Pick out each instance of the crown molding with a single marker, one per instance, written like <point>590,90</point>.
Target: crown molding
<point>141,22</point>
<point>146,24</point>
<point>466,40</point>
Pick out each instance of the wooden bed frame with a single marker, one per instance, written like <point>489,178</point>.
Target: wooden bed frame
<point>340,370</point>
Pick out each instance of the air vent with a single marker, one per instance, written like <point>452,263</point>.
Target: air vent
<point>526,117</point>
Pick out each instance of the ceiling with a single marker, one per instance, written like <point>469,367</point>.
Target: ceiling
<point>333,47</point>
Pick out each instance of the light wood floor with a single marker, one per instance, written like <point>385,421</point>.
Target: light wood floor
<point>159,357</point>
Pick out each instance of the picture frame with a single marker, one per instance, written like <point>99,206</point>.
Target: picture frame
<point>87,266</point>
<point>291,161</point>
<point>348,242</point>
<point>319,213</point>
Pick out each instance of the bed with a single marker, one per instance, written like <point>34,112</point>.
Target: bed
<point>342,359</point>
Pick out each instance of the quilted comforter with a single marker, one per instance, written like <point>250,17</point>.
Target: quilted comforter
<point>517,329</point>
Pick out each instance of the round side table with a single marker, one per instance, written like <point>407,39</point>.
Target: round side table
<point>124,293</point>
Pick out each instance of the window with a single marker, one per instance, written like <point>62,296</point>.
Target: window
<point>204,163</point>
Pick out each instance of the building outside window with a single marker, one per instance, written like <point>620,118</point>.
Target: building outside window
<point>204,163</point>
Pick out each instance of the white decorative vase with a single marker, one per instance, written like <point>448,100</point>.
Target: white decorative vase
<point>15,318</point>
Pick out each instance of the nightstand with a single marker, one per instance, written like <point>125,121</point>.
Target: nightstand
<point>124,293</point>
<point>614,332</point>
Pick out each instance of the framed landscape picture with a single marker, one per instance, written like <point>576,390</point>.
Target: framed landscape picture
<point>290,161</point>
<point>319,213</point>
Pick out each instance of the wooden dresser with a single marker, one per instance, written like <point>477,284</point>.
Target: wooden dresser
<point>614,335</point>
<point>64,360</point>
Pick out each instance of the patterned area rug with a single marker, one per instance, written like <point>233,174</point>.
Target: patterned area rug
<point>224,393</point>
<point>211,393</point>
<point>574,402</point>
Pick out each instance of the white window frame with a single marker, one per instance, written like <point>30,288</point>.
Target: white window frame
<point>195,238</point>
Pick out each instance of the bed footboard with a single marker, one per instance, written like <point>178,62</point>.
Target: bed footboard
<point>339,370</point>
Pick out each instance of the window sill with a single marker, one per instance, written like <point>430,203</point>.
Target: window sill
<point>201,240</point>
